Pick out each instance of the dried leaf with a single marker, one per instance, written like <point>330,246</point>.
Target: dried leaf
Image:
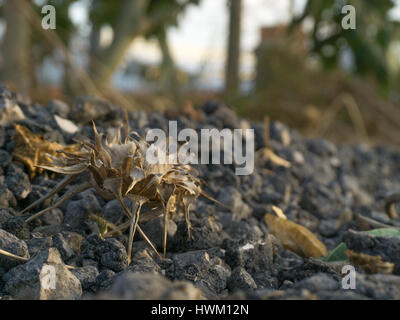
<point>279,212</point>
<point>34,150</point>
<point>75,169</point>
<point>268,154</point>
<point>370,264</point>
<point>295,237</point>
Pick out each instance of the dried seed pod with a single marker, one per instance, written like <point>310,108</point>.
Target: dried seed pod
<point>120,169</point>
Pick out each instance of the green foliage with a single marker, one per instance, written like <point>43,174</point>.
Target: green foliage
<point>385,232</point>
<point>103,12</point>
<point>107,12</point>
<point>369,42</point>
<point>337,254</point>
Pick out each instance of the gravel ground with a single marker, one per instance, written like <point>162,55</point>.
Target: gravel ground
<point>329,189</point>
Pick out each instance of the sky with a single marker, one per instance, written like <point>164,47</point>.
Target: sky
<point>201,37</point>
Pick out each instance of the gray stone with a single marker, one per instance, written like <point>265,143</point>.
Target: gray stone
<point>243,230</point>
<point>241,279</point>
<point>87,276</point>
<point>320,201</point>
<point>142,261</point>
<point>74,240</point>
<point>149,286</point>
<point>105,279</point>
<point>63,247</point>
<point>77,211</point>
<point>37,244</point>
<point>227,117</point>
<point>66,125</point>
<point>7,198</point>
<point>18,181</point>
<point>58,107</point>
<point>254,257</point>
<point>114,213</point>
<point>34,279</point>
<point>12,244</point>
<point>321,147</point>
<point>154,230</point>
<point>205,233</point>
<point>232,198</point>
<point>89,108</point>
<point>46,231</point>
<point>5,158</point>
<point>9,109</point>
<point>280,133</point>
<point>386,247</point>
<point>378,286</point>
<point>110,253</point>
<point>4,215</point>
<point>17,226</point>
<point>305,268</point>
<point>319,282</point>
<point>198,266</point>
<point>53,217</point>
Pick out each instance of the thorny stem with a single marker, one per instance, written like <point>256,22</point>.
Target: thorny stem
<point>126,210</point>
<point>118,229</point>
<point>61,185</point>
<point>11,255</point>
<point>133,225</point>
<point>165,232</point>
<point>68,195</point>
<point>187,217</point>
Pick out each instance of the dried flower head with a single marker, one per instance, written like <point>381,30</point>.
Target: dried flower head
<point>118,170</point>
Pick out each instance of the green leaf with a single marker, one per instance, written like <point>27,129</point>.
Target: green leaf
<point>385,232</point>
<point>337,254</point>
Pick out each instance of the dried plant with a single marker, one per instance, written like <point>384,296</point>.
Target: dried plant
<point>33,149</point>
<point>120,170</point>
<point>370,264</point>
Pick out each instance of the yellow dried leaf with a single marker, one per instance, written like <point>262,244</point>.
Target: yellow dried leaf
<point>268,154</point>
<point>295,237</point>
<point>278,211</point>
<point>33,149</point>
<point>370,264</point>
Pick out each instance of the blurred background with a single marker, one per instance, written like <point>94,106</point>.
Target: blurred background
<point>289,59</point>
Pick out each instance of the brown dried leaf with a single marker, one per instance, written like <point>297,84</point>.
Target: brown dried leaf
<point>295,237</point>
<point>370,264</point>
<point>33,149</point>
<point>279,212</point>
<point>268,154</point>
<point>75,169</point>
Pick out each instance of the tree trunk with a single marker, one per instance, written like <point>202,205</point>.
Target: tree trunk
<point>233,52</point>
<point>126,29</point>
<point>169,80</point>
<point>94,46</point>
<point>16,64</point>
